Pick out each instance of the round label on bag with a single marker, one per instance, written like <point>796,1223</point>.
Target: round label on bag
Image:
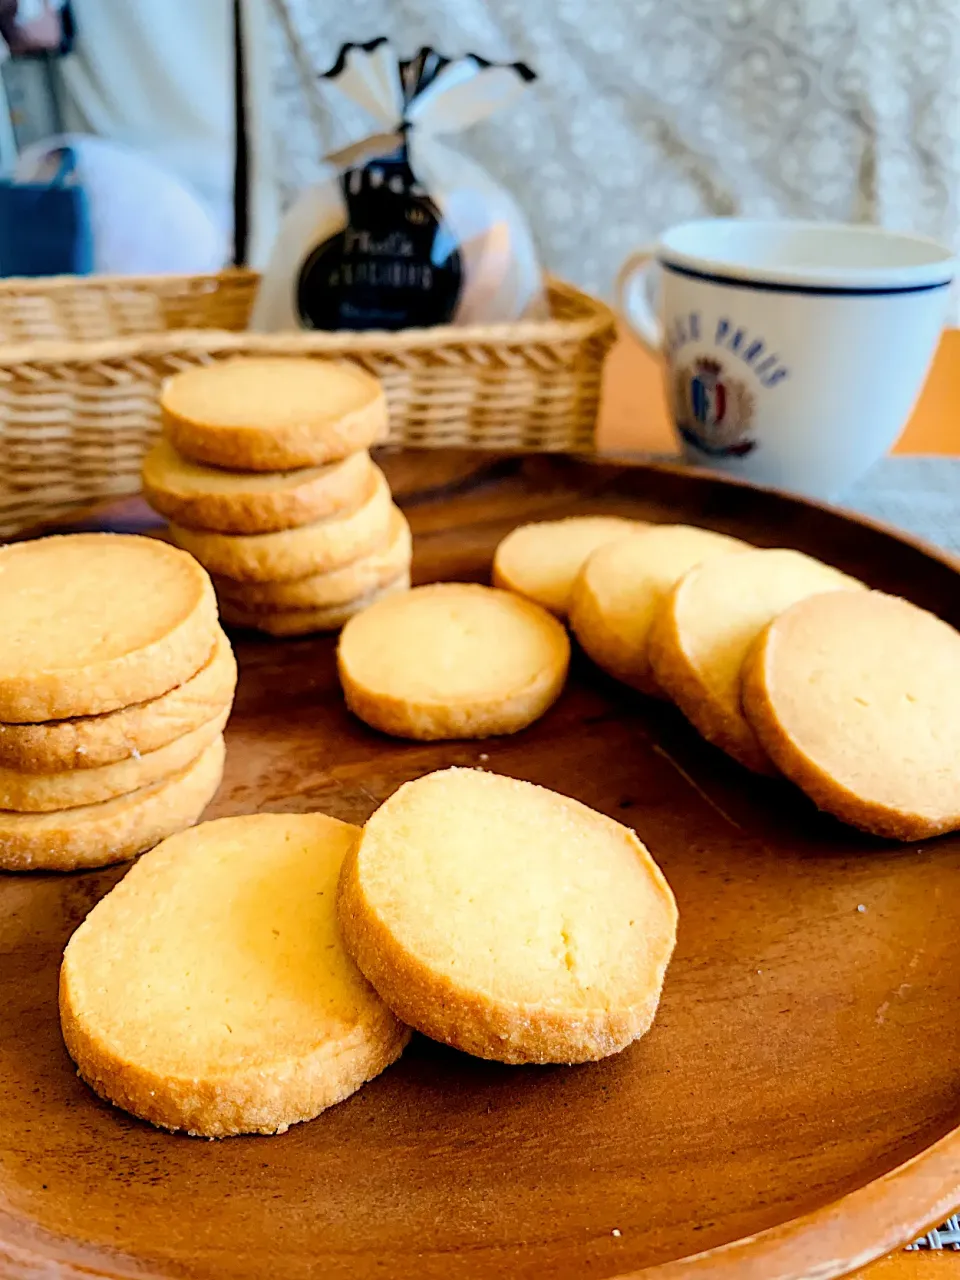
<point>395,265</point>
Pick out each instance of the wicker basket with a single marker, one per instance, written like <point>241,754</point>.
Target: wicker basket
<point>81,362</point>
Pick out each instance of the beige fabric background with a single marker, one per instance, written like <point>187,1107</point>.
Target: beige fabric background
<point>652,111</point>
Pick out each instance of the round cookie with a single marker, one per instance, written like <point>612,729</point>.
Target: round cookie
<point>202,497</point>
<point>541,561</point>
<point>88,742</point>
<point>46,792</point>
<point>705,629</point>
<point>96,621</point>
<point>622,585</point>
<point>295,553</point>
<point>506,920</point>
<point>271,413</point>
<point>210,992</point>
<point>452,660</point>
<point>327,590</point>
<point>304,622</point>
<point>99,834</point>
<point>855,696</point>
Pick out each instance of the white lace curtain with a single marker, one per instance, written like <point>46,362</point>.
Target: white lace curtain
<point>651,111</point>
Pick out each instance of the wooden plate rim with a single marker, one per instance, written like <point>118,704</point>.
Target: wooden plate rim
<point>854,1230</point>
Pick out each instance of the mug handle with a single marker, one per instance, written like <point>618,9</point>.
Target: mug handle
<point>633,299</point>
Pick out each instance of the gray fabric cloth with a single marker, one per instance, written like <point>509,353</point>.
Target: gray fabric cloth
<point>918,494</point>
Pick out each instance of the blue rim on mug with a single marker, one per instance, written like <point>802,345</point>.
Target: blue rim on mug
<point>770,286</point>
<point>866,260</point>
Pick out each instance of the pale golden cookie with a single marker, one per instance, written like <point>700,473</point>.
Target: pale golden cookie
<point>506,920</point>
<point>327,590</point>
<point>202,497</point>
<point>304,622</point>
<point>210,990</point>
<point>98,834</point>
<point>88,742</point>
<point>271,413</point>
<point>706,627</point>
<point>541,561</point>
<point>622,585</point>
<point>295,553</point>
<point>47,792</point>
<point>856,698</point>
<point>452,660</point>
<point>96,621</point>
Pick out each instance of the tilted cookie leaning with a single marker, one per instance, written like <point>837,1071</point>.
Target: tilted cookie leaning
<point>506,920</point>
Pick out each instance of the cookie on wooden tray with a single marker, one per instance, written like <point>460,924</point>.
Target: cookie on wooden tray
<point>327,590</point>
<point>204,497</point>
<point>541,560</point>
<point>452,660</point>
<point>272,413</point>
<point>45,792</point>
<point>622,585</point>
<point>304,622</point>
<point>88,742</point>
<point>295,553</point>
<point>98,834</point>
<point>97,621</point>
<point>506,920</point>
<point>855,696</point>
<point>210,991</point>
<point>705,629</point>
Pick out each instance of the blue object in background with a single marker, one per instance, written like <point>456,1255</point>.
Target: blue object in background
<point>45,226</point>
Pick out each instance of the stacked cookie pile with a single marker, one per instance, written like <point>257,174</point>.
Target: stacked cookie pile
<point>116,682</point>
<point>264,475</point>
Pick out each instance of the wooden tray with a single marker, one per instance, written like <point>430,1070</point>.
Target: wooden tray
<point>799,1092</point>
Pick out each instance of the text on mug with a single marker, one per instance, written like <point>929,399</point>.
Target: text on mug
<point>731,337</point>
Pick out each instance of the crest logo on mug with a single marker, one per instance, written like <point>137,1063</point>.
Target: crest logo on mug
<point>713,412</point>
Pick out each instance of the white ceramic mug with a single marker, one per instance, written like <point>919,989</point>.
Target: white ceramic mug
<point>793,351</point>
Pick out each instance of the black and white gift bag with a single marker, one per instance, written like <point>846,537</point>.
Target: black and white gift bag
<point>404,230</point>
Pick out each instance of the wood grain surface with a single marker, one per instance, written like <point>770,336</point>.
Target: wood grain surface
<point>790,1114</point>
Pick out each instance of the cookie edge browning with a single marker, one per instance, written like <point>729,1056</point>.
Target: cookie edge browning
<point>294,623</point>
<point>253,558</point>
<point>59,745</point>
<point>136,676</point>
<point>441,720</point>
<point>496,1030</point>
<point>94,848</point>
<point>501,577</point>
<point>604,647</point>
<point>828,795</point>
<point>281,448</point>
<point>245,1102</point>
<point>265,1098</point>
<point>78,788</point>
<point>246,513</point>
<point>360,577</point>
<point>684,687</point>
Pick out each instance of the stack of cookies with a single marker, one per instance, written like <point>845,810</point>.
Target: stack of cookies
<point>264,475</point>
<point>116,682</point>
